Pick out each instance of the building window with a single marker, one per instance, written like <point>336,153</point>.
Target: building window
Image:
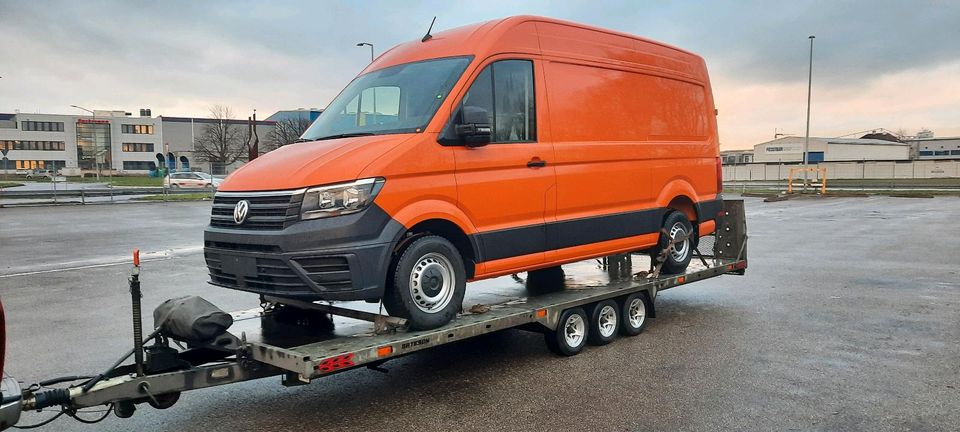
<point>93,146</point>
<point>139,165</point>
<point>33,145</point>
<point>926,153</point>
<point>955,152</point>
<point>40,164</point>
<point>138,147</point>
<point>137,129</point>
<point>941,153</point>
<point>41,126</point>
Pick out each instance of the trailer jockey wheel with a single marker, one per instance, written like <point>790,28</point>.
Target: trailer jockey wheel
<point>164,401</point>
<point>633,316</point>
<point>604,322</point>
<point>571,334</point>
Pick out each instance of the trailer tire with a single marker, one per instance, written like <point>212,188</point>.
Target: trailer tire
<point>427,284</point>
<point>571,334</point>
<point>676,225</point>
<point>604,322</point>
<point>633,316</point>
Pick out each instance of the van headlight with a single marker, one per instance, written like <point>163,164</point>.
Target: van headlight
<point>339,199</point>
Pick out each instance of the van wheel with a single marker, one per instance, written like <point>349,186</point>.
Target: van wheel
<point>677,226</point>
<point>428,283</point>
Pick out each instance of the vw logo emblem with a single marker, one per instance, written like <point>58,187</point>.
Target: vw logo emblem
<point>240,211</point>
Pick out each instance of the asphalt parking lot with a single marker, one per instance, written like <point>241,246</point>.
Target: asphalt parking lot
<point>847,319</point>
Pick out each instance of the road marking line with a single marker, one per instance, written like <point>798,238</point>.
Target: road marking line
<point>144,257</point>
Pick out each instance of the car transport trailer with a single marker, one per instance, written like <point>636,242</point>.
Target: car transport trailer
<point>589,301</point>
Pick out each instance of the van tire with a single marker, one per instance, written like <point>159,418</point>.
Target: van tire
<point>427,283</point>
<point>676,224</point>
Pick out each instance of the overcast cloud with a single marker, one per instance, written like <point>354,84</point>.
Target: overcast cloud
<point>877,64</point>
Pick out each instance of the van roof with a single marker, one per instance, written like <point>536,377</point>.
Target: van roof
<point>549,37</point>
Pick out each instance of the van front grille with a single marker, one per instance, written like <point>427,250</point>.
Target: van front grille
<point>272,212</point>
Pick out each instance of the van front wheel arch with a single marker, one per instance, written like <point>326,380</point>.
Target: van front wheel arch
<point>427,283</point>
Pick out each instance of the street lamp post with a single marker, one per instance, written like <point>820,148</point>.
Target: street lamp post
<point>371,49</point>
<point>374,110</point>
<point>806,139</point>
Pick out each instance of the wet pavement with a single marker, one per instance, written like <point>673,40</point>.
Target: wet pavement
<point>847,319</point>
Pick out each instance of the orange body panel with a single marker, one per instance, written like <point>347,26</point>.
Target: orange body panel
<point>625,125</point>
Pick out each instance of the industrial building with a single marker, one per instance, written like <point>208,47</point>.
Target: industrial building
<point>936,148</point>
<point>736,157</point>
<point>790,150</point>
<point>107,141</point>
<point>301,114</point>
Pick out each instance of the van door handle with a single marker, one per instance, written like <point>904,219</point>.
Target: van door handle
<point>536,163</point>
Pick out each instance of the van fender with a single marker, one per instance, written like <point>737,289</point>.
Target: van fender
<point>679,187</point>
<point>423,210</point>
<point>433,209</point>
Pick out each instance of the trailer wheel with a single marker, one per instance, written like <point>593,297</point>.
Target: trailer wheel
<point>604,322</point>
<point>633,316</point>
<point>676,225</point>
<point>571,334</point>
<point>428,283</point>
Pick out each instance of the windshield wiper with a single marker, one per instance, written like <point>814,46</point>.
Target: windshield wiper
<point>346,135</point>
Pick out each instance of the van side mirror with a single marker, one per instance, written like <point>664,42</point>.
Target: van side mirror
<point>475,131</point>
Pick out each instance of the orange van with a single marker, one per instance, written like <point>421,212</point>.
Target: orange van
<point>507,146</point>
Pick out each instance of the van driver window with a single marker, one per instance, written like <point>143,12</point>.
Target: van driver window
<point>505,91</point>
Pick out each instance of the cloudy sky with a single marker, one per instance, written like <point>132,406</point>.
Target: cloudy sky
<point>889,64</point>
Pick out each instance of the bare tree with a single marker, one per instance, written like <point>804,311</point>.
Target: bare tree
<point>223,140</point>
<point>289,130</point>
<point>903,135</point>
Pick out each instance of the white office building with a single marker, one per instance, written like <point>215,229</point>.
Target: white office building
<point>107,140</point>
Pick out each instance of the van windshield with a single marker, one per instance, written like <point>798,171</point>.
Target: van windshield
<point>397,99</point>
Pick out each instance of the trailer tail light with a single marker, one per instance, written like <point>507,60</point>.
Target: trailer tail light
<point>384,351</point>
<point>335,363</point>
<point>719,175</point>
<point>739,265</point>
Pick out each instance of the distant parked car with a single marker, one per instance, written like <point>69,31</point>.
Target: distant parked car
<point>38,173</point>
<point>195,180</point>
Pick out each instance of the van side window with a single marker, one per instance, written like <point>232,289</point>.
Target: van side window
<point>505,90</point>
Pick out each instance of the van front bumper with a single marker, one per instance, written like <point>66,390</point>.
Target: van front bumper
<point>338,258</point>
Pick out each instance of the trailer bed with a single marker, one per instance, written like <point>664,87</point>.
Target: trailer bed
<point>506,303</point>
